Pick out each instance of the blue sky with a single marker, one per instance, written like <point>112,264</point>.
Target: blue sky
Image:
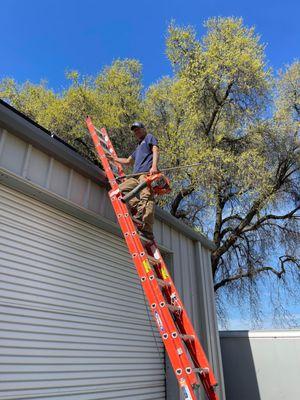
<point>43,39</point>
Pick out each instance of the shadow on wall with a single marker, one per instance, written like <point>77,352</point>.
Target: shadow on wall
<point>238,365</point>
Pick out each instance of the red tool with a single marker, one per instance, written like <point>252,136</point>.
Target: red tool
<point>182,345</point>
<point>159,183</point>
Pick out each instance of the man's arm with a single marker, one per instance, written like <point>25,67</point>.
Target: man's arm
<point>120,160</point>
<point>155,152</point>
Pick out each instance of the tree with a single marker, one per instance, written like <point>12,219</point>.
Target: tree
<point>112,99</point>
<point>224,109</point>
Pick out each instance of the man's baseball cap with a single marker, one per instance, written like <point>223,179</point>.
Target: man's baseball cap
<point>137,125</point>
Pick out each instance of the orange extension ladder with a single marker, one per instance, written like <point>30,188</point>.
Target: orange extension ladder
<point>178,335</point>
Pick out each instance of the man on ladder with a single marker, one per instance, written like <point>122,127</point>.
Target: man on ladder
<point>145,160</point>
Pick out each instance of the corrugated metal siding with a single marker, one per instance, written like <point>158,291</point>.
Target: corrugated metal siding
<point>74,324</point>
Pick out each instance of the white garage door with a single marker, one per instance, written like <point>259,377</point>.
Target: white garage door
<point>74,324</point>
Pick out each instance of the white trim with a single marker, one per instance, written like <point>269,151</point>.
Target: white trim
<point>289,333</point>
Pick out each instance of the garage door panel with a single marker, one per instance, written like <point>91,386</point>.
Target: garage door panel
<point>39,219</point>
<point>100,292</point>
<point>67,339</point>
<point>86,367</point>
<point>83,375</point>
<point>72,312</point>
<point>16,363</point>
<point>125,352</point>
<point>57,252</point>
<point>44,324</point>
<point>22,268</point>
<point>22,298</point>
<point>150,393</point>
<point>74,383</point>
<point>67,344</point>
<point>9,291</point>
<point>91,273</point>
<point>55,317</point>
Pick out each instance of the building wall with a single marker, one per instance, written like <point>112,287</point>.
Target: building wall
<point>261,365</point>
<point>36,164</point>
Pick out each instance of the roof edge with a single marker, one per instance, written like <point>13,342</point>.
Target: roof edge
<point>25,128</point>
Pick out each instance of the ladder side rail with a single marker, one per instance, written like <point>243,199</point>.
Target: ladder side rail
<point>185,325</point>
<point>111,150</point>
<point>172,297</point>
<point>162,316</point>
<point>101,154</point>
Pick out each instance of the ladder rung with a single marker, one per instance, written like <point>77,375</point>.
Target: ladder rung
<point>153,260</point>
<point>163,283</point>
<point>144,239</point>
<point>98,130</point>
<point>187,337</point>
<point>137,221</point>
<point>105,150</point>
<point>174,308</point>
<point>201,370</point>
<point>103,142</point>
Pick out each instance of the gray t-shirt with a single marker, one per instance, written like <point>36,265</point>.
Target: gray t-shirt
<point>143,155</point>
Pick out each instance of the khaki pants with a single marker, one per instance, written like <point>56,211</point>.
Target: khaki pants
<point>143,204</point>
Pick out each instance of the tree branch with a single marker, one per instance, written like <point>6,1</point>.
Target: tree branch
<point>250,274</point>
<point>218,223</point>
<point>270,217</point>
<point>217,108</point>
<point>180,196</point>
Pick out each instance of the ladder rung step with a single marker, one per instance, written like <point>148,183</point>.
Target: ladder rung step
<point>106,151</point>
<point>163,283</point>
<point>201,370</point>
<point>145,240</point>
<point>187,337</point>
<point>153,260</point>
<point>137,221</point>
<point>103,142</point>
<point>98,130</point>
<point>174,308</point>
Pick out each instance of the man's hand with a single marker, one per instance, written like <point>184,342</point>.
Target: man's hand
<point>125,161</point>
<point>111,158</point>
<point>153,170</point>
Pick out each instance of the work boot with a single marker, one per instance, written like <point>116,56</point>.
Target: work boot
<point>138,221</point>
<point>133,211</point>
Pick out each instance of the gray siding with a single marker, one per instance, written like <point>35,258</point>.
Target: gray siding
<point>68,187</point>
<point>261,365</point>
